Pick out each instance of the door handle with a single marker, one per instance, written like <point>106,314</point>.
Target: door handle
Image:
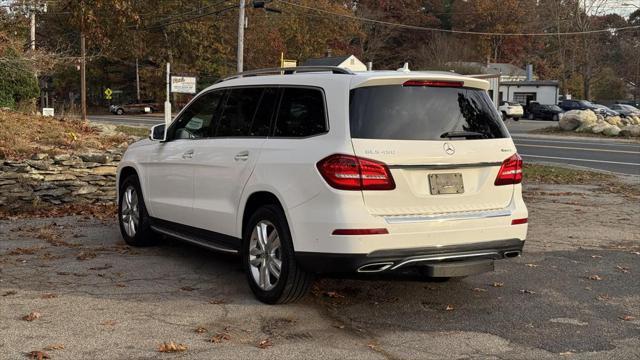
<point>243,155</point>
<point>187,154</point>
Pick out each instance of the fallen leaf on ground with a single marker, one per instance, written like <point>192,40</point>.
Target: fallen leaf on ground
<point>532,265</point>
<point>48,296</point>
<point>525,291</point>
<point>187,288</point>
<point>170,347</point>
<point>219,337</point>
<point>595,277</point>
<point>55,347</point>
<point>566,353</point>
<point>121,285</point>
<point>217,301</point>
<point>479,290</point>
<point>372,345</point>
<point>622,269</point>
<point>109,322</point>
<point>333,294</point>
<point>266,343</point>
<point>497,284</point>
<point>596,256</point>
<point>604,297</point>
<point>449,308</point>
<point>38,355</point>
<point>22,251</point>
<point>200,330</point>
<point>31,316</point>
<point>627,317</point>
<point>10,292</point>
<point>86,255</point>
<point>338,326</point>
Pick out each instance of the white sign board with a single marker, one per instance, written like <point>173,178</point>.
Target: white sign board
<point>47,111</point>
<point>183,84</point>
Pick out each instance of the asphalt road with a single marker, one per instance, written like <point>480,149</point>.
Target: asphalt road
<point>599,154</point>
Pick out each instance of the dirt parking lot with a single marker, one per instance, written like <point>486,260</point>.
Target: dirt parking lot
<point>573,294</point>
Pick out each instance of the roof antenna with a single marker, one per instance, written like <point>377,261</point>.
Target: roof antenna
<point>405,67</point>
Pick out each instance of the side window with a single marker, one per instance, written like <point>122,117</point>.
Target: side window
<point>238,112</point>
<point>262,120</point>
<point>196,121</point>
<point>301,113</point>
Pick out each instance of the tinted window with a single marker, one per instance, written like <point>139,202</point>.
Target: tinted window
<point>422,113</point>
<point>262,120</point>
<point>301,113</point>
<point>238,111</point>
<point>196,120</point>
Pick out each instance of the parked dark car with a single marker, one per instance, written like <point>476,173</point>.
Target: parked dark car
<point>605,111</point>
<point>543,112</point>
<point>144,106</point>
<point>567,105</point>
<point>625,110</point>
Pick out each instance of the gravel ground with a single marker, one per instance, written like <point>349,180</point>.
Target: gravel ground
<point>573,294</point>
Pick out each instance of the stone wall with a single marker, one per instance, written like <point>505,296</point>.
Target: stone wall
<point>81,178</point>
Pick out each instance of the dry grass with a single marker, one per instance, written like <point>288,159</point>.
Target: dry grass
<point>24,135</point>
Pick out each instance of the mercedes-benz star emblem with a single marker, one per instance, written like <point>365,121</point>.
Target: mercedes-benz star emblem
<point>448,148</point>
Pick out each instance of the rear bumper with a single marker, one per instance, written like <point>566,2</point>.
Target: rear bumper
<point>450,260</point>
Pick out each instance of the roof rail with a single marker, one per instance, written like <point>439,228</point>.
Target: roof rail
<point>288,71</point>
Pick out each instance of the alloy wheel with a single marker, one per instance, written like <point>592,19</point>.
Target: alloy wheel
<point>265,255</point>
<point>130,213</point>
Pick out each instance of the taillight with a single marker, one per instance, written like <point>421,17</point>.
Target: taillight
<point>511,171</point>
<point>347,172</point>
<point>433,83</point>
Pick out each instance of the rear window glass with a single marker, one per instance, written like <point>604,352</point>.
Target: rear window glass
<point>399,112</point>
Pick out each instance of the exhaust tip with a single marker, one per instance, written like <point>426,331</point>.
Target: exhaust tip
<point>375,267</point>
<point>511,254</point>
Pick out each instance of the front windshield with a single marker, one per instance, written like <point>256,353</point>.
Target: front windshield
<point>585,102</point>
<point>554,107</point>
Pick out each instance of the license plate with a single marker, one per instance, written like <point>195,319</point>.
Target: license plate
<point>446,184</point>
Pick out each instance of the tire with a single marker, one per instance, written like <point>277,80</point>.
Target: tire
<point>530,116</point>
<point>130,206</point>
<point>292,283</point>
<point>119,112</point>
<point>555,117</point>
<point>504,116</point>
<point>516,119</point>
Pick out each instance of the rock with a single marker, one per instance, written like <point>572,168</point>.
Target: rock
<point>96,158</point>
<point>40,156</point>
<point>72,163</point>
<point>630,130</point>
<point>88,189</point>
<point>39,164</point>
<point>9,175</point>
<point>61,157</point>
<point>611,131</point>
<point>575,118</point>
<point>55,192</point>
<point>104,170</point>
<point>614,120</point>
<point>7,182</point>
<point>59,177</point>
<point>600,126</point>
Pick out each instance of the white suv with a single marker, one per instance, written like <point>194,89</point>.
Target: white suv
<point>321,170</point>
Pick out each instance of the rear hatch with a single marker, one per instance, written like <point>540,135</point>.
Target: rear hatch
<point>444,144</point>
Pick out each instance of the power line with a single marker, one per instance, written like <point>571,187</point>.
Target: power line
<point>421,28</point>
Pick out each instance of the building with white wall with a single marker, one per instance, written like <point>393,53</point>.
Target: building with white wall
<point>545,92</point>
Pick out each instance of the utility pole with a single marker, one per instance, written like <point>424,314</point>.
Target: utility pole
<point>83,68</point>
<point>240,54</point>
<point>137,82</point>
<point>33,28</point>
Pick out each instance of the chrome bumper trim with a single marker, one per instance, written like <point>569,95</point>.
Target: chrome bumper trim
<point>445,257</point>
<point>467,215</point>
<point>443,166</point>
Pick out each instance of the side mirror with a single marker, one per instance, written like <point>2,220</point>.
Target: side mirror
<point>157,132</point>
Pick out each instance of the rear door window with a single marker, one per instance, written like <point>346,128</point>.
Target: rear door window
<point>301,113</point>
<point>398,112</point>
<point>238,112</point>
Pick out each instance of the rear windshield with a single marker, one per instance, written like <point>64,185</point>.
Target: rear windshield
<point>399,112</point>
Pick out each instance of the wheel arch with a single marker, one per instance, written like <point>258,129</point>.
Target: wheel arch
<point>253,202</point>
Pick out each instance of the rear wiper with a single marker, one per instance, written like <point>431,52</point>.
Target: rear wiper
<point>463,134</point>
